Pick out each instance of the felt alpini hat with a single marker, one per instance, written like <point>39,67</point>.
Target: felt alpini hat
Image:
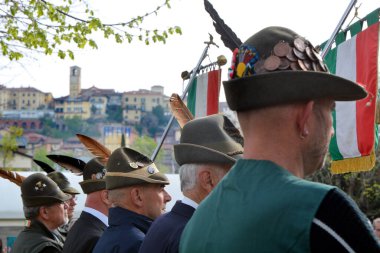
<point>210,139</point>
<point>38,189</point>
<point>278,66</point>
<point>93,171</point>
<point>93,176</point>
<point>127,167</point>
<point>61,180</point>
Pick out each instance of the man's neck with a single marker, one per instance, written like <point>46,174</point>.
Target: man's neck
<point>284,154</point>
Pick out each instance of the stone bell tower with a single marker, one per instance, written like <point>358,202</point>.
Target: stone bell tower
<point>75,81</point>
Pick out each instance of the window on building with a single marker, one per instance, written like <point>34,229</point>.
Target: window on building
<point>142,100</point>
<point>135,99</point>
<point>32,125</point>
<point>126,99</point>
<point>23,125</point>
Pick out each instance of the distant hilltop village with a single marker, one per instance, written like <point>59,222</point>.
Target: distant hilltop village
<point>29,103</point>
<point>49,124</point>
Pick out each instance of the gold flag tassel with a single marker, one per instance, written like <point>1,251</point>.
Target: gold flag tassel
<point>357,164</point>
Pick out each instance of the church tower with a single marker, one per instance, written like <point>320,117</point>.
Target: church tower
<point>75,85</point>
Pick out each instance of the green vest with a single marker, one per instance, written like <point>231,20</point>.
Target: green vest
<point>257,207</point>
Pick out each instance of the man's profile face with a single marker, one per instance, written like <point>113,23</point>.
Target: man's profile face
<point>154,200</point>
<point>322,131</point>
<point>57,213</point>
<point>71,206</point>
<point>376,228</point>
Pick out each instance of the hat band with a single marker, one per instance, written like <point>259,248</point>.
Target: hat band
<point>133,175</point>
<point>143,173</point>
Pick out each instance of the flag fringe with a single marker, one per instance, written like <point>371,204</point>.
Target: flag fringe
<point>358,164</point>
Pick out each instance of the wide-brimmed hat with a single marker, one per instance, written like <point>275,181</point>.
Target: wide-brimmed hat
<point>62,182</point>
<point>93,176</point>
<point>278,66</point>
<point>126,167</point>
<point>211,139</point>
<point>38,189</point>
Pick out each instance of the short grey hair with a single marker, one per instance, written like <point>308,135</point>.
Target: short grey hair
<point>31,212</point>
<point>116,195</point>
<point>188,176</point>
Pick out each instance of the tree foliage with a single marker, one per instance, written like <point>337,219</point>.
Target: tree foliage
<point>363,187</point>
<point>47,27</point>
<point>40,154</point>
<point>8,144</point>
<point>146,146</point>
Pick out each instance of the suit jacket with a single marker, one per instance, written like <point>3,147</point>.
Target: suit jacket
<point>165,233</point>
<point>125,233</point>
<point>84,235</point>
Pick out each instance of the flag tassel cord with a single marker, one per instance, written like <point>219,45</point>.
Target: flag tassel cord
<point>194,73</point>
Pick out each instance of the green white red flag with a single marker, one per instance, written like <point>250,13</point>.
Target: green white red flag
<point>355,140</point>
<point>203,98</point>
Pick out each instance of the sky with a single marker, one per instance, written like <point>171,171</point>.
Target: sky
<point>126,67</point>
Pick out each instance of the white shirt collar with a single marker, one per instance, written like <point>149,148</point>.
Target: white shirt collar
<point>97,214</point>
<point>189,202</point>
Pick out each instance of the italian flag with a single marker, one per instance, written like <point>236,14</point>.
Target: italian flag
<point>203,98</point>
<point>357,59</point>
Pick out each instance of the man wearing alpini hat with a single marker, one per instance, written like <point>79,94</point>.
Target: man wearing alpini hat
<point>136,190</point>
<point>93,220</point>
<point>208,148</point>
<point>45,208</point>
<point>284,98</point>
<point>64,184</point>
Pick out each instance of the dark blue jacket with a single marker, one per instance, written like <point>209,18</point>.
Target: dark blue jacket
<point>84,234</point>
<point>165,233</point>
<point>125,233</point>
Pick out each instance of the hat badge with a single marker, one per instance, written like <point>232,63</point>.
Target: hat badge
<point>150,170</point>
<point>99,175</point>
<point>39,186</point>
<point>133,165</point>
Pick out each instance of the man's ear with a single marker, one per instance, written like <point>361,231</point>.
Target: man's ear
<point>136,195</point>
<point>303,118</point>
<point>44,212</point>
<point>206,180</point>
<point>104,197</point>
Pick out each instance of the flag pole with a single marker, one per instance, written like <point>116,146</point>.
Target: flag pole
<point>332,38</point>
<point>194,73</point>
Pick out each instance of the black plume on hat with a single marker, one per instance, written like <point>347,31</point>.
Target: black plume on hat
<point>38,189</point>
<point>278,66</point>
<point>127,167</point>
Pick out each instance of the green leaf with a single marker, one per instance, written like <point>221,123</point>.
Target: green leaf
<point>71,54</point>
<point>92,44</point>
<point>61,54</point>
<point>118,38</point>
